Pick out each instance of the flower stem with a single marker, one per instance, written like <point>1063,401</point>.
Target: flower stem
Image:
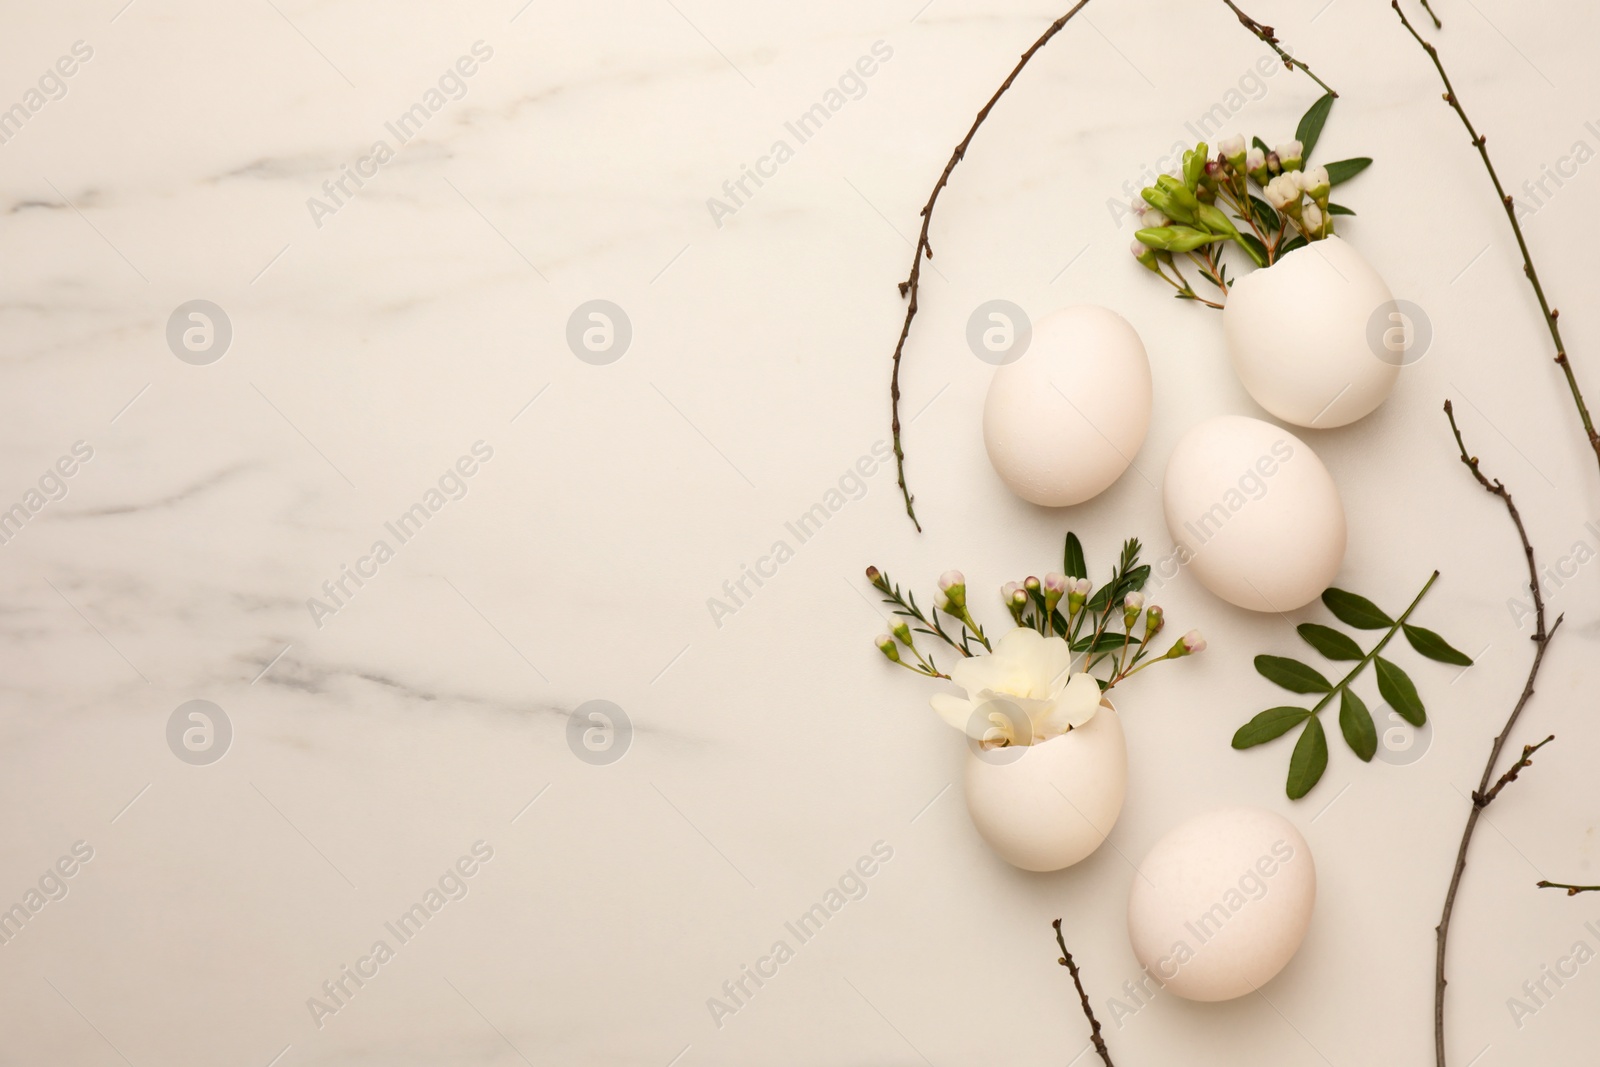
<point>1370,656</point>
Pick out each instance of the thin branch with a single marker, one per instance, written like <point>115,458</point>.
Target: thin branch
<point>1083,998</point>
<point>1484,799</point>
<point>909,287</point>
<point>1429,9</point>
<point>1271,41</point>
<point>1551,315</point>
<point>1484,795</point>
<point>1572,890</point>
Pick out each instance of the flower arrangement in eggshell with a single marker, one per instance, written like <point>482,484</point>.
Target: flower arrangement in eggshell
<point>1047,762</point>
<point>1298,336</point>
<point>1063,422</point>
<point>1313,332</point>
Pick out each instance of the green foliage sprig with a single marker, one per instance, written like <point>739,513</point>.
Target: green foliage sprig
<point>1193,214</point>
<point>1310,756</point>
<point>1108,627</point>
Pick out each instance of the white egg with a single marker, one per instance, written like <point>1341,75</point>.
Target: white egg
<point>1065,420</point>
<point>1254,514</point>
<point>1302,337</point>
<point>1222,903</point>
<point>1046,806</point>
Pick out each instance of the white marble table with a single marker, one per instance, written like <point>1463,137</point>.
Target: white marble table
<point>416,319</point>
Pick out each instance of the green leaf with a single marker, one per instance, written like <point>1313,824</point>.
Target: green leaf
<point>1292,674</point>
<point>1310,759</point>
<point>1435,647</point>
<point>1357,611</point>
<point>1397,690</point>
<point>1265,215</point>
<point>1259,143</point>
<point>1120,586</point>
<point>1356,724</point>
<point>1291,244</point>
<point>1329,642</point>
<point>1345,169</point>
<point>1072,564</point>
<point>1338,209</point>
<point>1104,643</point>
<point>1311,122</point>
<point>1270,724</point>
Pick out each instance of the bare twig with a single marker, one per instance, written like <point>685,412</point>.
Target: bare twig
<point>1483,799</point>
<point>1572,890</point>
<point>1483,796</point>
<point>1083,998</point>
<point>1551,315</point>
<point>1429,9</point>
<point>1271,41</point>
<point>908,288</point>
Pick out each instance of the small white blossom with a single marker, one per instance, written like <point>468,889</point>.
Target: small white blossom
<point>1231,147</point>
<point>1283,191</point>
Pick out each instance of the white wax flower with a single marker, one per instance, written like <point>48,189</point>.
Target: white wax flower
<point>1254,160</point>
<point>1029,672</point>
<point>1289,150</point>
<point>1311,218</point>
<point>1231,147</point>
<point>1283,191</point>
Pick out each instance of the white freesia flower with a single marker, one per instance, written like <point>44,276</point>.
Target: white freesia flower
<point>1029,672</point>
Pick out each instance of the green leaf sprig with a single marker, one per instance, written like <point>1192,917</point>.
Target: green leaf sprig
<point>1310,757</point>
<point>1108,629</point>
<point>1194,214</point>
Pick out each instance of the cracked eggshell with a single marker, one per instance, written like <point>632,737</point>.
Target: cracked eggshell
<point>1297,334</point>
<point>1222,903</point>
<point>1063,422</point>
<point>1254,514</point>
<point>1047,806</point>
